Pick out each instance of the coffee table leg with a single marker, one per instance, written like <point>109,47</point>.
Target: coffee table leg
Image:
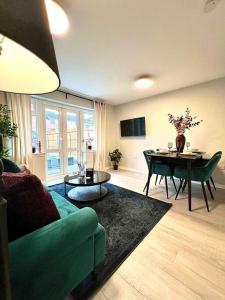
<point>65,189</point>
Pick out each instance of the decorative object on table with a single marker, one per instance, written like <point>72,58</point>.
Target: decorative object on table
<point>181,123</point>
<point>170,145</point>
<point>188,144</point>
<point>33,150</point>
<point>39,146</point>
<point>82,168</point>
<point>90,172</point>
<point>115,157</point>
<point>7,130</point>
<point>89,141</point>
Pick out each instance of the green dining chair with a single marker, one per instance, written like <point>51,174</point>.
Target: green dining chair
<point>159,169</point>
<point>202,163</point>
<point>199,173</point>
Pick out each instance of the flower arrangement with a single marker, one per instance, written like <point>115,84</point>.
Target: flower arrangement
<point>181,123</point>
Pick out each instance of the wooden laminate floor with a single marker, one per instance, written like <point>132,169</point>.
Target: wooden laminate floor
<point>183,257</point>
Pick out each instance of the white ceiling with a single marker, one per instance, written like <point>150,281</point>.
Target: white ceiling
<point>111,42</point>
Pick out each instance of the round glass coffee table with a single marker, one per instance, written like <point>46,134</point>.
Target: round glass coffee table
<point>87,188</point>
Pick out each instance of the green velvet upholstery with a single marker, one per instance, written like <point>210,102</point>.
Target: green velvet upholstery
<point>199,173</point>
<point>49,262</point>
<point>157,168</point>
<point>10,166</point>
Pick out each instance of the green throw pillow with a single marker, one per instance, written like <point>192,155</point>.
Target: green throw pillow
<point>10,166</point>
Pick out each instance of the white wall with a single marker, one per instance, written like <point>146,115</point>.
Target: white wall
<point>207,101</point>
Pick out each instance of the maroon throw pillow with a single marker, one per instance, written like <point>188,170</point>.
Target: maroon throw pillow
<point>29,204</point>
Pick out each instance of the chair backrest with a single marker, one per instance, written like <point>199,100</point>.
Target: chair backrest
<point>213,162</point>
<point>147,157</point>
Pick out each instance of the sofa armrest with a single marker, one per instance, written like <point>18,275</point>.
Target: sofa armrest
<point>57,237</point>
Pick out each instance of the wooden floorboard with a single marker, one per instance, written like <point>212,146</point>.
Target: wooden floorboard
<point>183,257</point>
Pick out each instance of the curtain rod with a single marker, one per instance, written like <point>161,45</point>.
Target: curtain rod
<point>68,93</point>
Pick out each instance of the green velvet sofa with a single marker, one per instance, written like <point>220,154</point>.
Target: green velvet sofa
<point>49,262</point>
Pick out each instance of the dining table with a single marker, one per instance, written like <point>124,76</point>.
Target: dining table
<point>175,158</point>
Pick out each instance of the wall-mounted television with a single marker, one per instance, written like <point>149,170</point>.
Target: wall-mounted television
<point>133,127</point>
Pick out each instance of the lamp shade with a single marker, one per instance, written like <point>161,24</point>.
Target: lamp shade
<point>27,56</point>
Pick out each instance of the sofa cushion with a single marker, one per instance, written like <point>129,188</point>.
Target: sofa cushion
<point>29,205</point>
<point>10,166</point>
<point>64,207</point>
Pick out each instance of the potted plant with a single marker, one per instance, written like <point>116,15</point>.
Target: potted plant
<point>181,123</point>
<point>115,157</point>
<point>7,130</point>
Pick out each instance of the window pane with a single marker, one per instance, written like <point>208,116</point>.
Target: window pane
<point>34,132</point>
<point>53,163</point>
<point>72,161</point>
<point>52,128</point>
<point>71,121</point>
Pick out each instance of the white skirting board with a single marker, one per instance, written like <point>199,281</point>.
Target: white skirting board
<point>218,185</point>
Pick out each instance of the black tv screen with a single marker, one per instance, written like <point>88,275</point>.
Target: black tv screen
<point>133,127</point>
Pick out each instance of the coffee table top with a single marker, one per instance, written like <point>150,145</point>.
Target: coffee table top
<point>98,178</point>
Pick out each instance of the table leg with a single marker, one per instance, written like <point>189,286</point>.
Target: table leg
<point>148,183</point>
<point>65,189</point>
<point>189,183</point>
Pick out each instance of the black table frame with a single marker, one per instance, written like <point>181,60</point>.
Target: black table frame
<point>91,183</point>
<point>173,159</point>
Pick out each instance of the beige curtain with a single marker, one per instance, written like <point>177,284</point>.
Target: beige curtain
<point>100,133</point>
<point>20,105</point>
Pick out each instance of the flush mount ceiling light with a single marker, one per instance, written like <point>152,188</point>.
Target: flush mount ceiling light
<point>143,82</point>
<point>27,56</point>
<point>210,5</point>
<point>58,19</point>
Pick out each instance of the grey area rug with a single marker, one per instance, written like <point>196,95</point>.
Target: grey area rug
<point>127,217</point>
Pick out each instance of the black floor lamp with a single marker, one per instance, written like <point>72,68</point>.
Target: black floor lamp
<point>28,66</point>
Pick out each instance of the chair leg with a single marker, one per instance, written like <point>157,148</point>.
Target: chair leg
<point>148,183</point>
<point>213,183</point>
<point>209,188</point>
<point>181,182</point>
<point>161,179</point>
<point>174,183</point>
<point>184,186</point>
<point>205,196</point>
<point>166,187</point>
<point>145,186</point>
<point>156,179</point>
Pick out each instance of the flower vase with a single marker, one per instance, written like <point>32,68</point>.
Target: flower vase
<point>180,142</point>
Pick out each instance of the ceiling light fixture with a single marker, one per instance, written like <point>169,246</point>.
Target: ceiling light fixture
<point>58,19</point>
<point>210,5</point>
<point>143,82</point>
<point>27,56</point>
